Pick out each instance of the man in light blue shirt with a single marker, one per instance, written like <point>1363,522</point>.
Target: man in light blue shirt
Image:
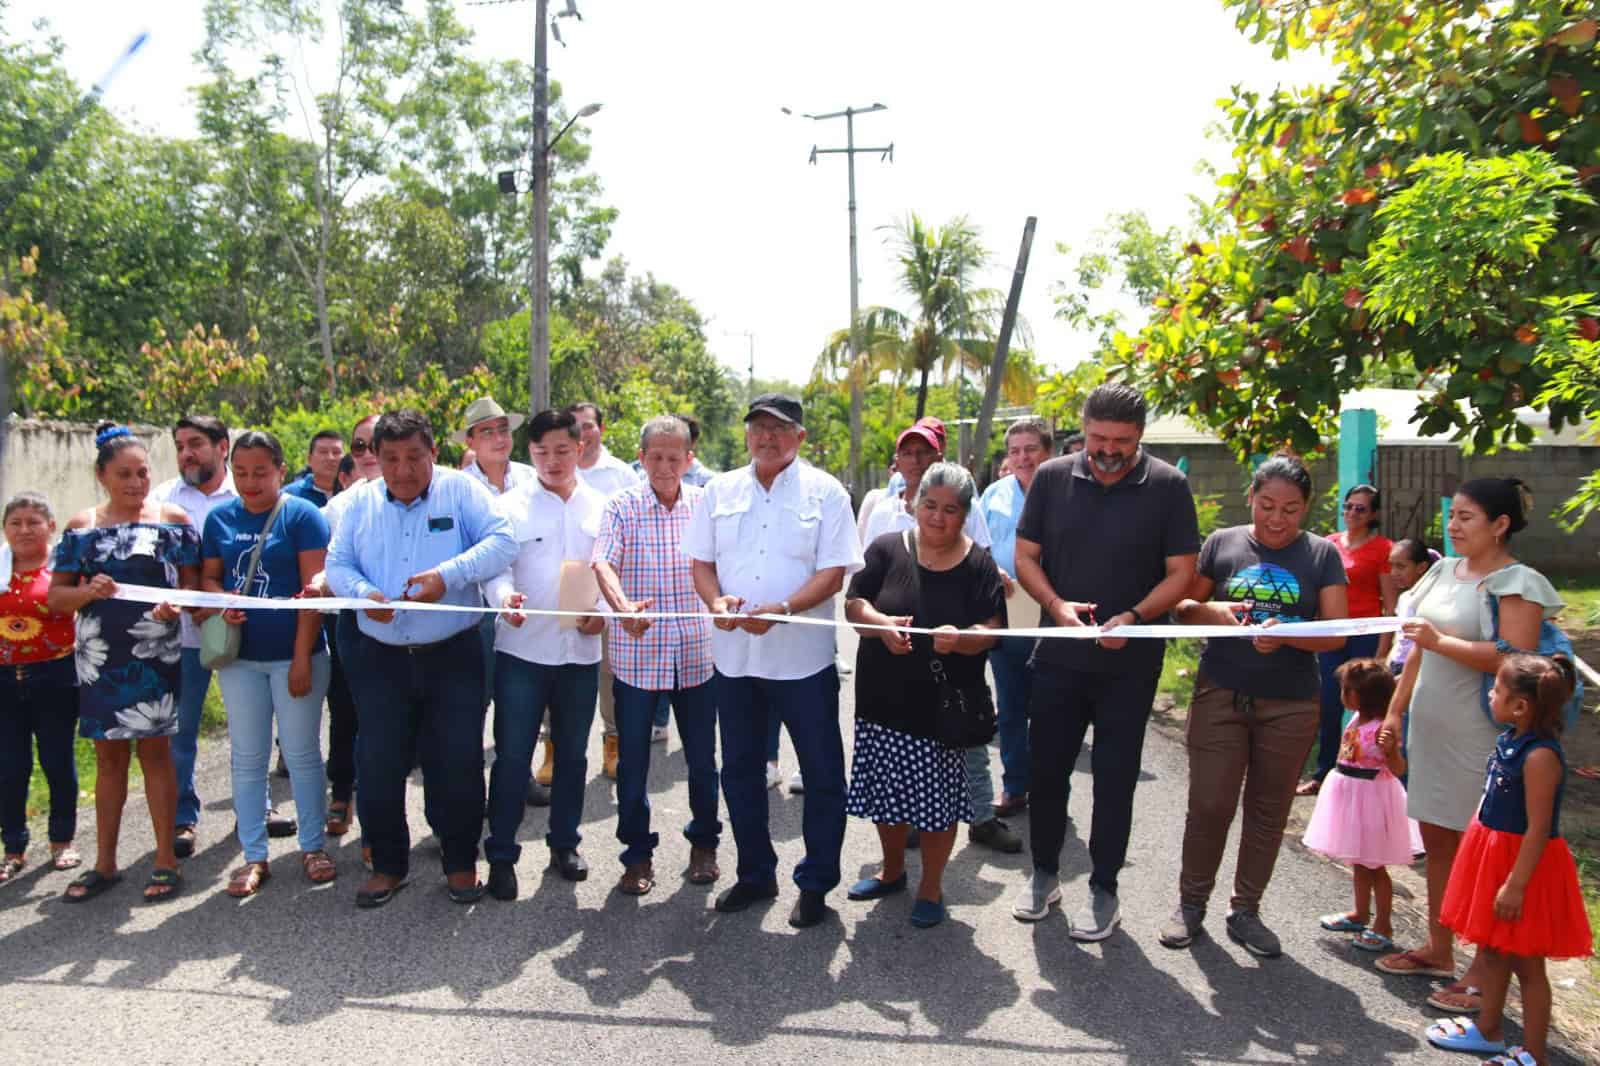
<point>1027,445</point>
<point>430,535</point>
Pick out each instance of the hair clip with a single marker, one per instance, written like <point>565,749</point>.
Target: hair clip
<point>111,433</point>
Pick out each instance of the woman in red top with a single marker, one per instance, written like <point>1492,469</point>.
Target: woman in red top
<point>1365,554</point>
<point>38,691</point>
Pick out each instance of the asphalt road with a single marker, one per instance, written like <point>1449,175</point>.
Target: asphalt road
<point>579,973</point>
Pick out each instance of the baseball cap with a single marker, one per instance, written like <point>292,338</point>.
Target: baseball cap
<point>777,405</point>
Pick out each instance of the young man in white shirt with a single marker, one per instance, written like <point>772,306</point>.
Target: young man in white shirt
<point>776,537</point>
<point>540,662</point>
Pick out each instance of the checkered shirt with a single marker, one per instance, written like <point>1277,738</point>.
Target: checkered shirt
<point>640,539</point>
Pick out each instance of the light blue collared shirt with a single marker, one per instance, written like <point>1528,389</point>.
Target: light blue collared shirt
<point>1002,509</point>
<point>452,527</point>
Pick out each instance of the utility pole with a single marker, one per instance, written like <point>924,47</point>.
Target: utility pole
<point>849,151</point>
<point>1002,345</point>
<point>539,261</point>
<point>750,382</point>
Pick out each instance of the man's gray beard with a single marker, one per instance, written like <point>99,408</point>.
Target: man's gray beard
<point>198,475</point>
<point>1122,463</point>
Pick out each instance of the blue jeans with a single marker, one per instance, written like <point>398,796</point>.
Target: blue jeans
<point>1013,688</point>
<point>1331,722</point>
<point>40,702</point>
<point>255,692</point>
<point>980,786</point>
<point>697,729</point>
<point>413,702</point>
<point>522,691</point>
<point>192,687</point>
<point>809,708</point>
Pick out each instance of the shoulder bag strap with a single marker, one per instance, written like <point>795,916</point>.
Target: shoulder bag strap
<point>261,542</point>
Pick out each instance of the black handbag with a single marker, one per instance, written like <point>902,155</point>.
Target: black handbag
<point>963,715</point>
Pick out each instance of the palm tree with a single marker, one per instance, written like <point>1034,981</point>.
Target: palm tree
<point>950,317</point>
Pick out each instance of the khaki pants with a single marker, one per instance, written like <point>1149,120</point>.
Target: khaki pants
<point>1235,740</point>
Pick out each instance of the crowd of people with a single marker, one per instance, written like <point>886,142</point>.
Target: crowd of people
<point>660,591</point>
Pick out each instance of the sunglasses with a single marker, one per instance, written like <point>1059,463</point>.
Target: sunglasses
<point>359,446</point>
<point>1357,508</point>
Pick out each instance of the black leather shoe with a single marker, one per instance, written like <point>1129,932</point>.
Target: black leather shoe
<point>809,910</point>
<point>569,864</point>
<point>743,895</point>
<point>502,882</point>
<point>538,795</point>
<point>279,825</point>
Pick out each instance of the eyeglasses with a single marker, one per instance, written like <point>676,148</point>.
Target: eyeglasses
<point>359,446</point>
<point>1356,508</point>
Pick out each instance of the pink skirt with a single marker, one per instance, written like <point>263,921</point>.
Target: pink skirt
<point>1363,822</point>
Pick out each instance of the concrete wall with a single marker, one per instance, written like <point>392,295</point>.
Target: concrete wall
<point>1553,473</point>
<point>57,459</point>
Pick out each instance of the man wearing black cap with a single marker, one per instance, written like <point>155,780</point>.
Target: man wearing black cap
<point>776,537</point>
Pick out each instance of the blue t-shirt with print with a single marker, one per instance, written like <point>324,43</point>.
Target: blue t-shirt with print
<point>230,535</point>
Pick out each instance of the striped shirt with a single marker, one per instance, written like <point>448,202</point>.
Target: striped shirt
<point>641,540</point>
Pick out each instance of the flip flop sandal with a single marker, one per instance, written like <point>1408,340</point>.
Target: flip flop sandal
<point>1593,774</point>
<point>93,882</point>
<point>1340,923</point>
<point>372,900</point>
<point>1456,997</point>
<point>338,819</point>
<point>10,868</point>
<point>1369,940</point>
<point>1461,1034</point>
<point>1513,1056</point>
<point>166,881</point>
<point>318,867</point>
<point>1410,964</point>
<point>247,880</point>
<point>66,859</point>
<point>471,894</point>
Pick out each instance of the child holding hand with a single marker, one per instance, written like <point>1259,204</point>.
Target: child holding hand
<point>1514,888</point>
<point>1360,816</point>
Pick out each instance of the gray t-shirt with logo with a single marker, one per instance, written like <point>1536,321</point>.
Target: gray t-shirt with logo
<point>1283,583</point>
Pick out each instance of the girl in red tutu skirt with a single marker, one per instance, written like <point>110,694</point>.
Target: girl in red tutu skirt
<point>1361,809</point>
<point>1514,887</point>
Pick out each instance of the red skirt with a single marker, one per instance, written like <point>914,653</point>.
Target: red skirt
<point>1554,923</point>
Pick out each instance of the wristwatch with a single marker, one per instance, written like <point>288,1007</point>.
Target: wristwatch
<point>786,607</point>
<point>1138,619</point>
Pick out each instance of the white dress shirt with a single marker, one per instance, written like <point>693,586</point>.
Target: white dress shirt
<point>339,506</point>
<point>516,474</point>
<point>549,531</point>
<point>198,505</point>
<point>889,515</point>
<point>609,475</point>
<point>766,545</point>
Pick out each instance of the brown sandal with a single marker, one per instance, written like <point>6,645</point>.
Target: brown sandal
<point>638,879</point>
<point>338,818</point>
<point>318,867</point>
<point>247,880</point>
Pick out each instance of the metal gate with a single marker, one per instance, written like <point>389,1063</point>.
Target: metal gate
<point>1412,479</point>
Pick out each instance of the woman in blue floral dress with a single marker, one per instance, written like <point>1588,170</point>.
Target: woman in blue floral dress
<point>127,653</point>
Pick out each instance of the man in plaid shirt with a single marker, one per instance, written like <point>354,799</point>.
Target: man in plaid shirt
<point>640,568</point>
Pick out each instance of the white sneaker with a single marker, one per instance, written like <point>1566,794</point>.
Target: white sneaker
<point>658,734</point>
<point>796,784</point>
<point>774,775</point>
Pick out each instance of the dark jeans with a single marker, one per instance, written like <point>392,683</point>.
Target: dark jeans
<point>1330,723</point>
<point>194,683</point>
<point>809,708</point>
<point>696,712</point>
<point>522,690</point>
<point>38,701</point>
<point>422,703</point>
<point>1065,704</point>
<point>1013,689</point>
<point>341,721</point>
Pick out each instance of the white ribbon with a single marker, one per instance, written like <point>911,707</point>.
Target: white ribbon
<point>1338,627</point>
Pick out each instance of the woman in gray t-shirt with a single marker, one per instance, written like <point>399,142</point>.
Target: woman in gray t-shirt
<point>1254,713</point>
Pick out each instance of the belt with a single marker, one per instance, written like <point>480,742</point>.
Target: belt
<point>421,649</point>
<point>1365,773</point>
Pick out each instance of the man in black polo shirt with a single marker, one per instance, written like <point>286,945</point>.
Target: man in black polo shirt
<point>1107,534</point>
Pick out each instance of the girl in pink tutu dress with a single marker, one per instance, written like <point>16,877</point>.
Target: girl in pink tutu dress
<point>1361,811</point>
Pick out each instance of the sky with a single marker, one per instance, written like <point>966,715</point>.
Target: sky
<point>1068,110</point>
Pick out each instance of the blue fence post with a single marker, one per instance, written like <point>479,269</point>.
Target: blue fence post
<point>1358,451</point>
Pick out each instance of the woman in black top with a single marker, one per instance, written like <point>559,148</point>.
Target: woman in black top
<point>901,776</point>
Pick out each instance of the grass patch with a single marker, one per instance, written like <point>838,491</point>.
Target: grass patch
<point>1178,670</point>
<point>1583,600</point>
<point>213,720</point>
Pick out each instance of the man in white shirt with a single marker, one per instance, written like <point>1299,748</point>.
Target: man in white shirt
<point>602,471</point>
<point>488,436</point>
<point>541,662</point>
<point>203,482</point>
<point>776,537</point>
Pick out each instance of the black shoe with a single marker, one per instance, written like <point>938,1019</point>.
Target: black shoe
<point>503,881</point>
<point>538,795</point>
<point>809,910</point>
<point>997,835</point>
<point>742,895</point>
<point>279,825</point>
<point>569,864</point>
<point>183,841</point>
<point>471,894</point>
